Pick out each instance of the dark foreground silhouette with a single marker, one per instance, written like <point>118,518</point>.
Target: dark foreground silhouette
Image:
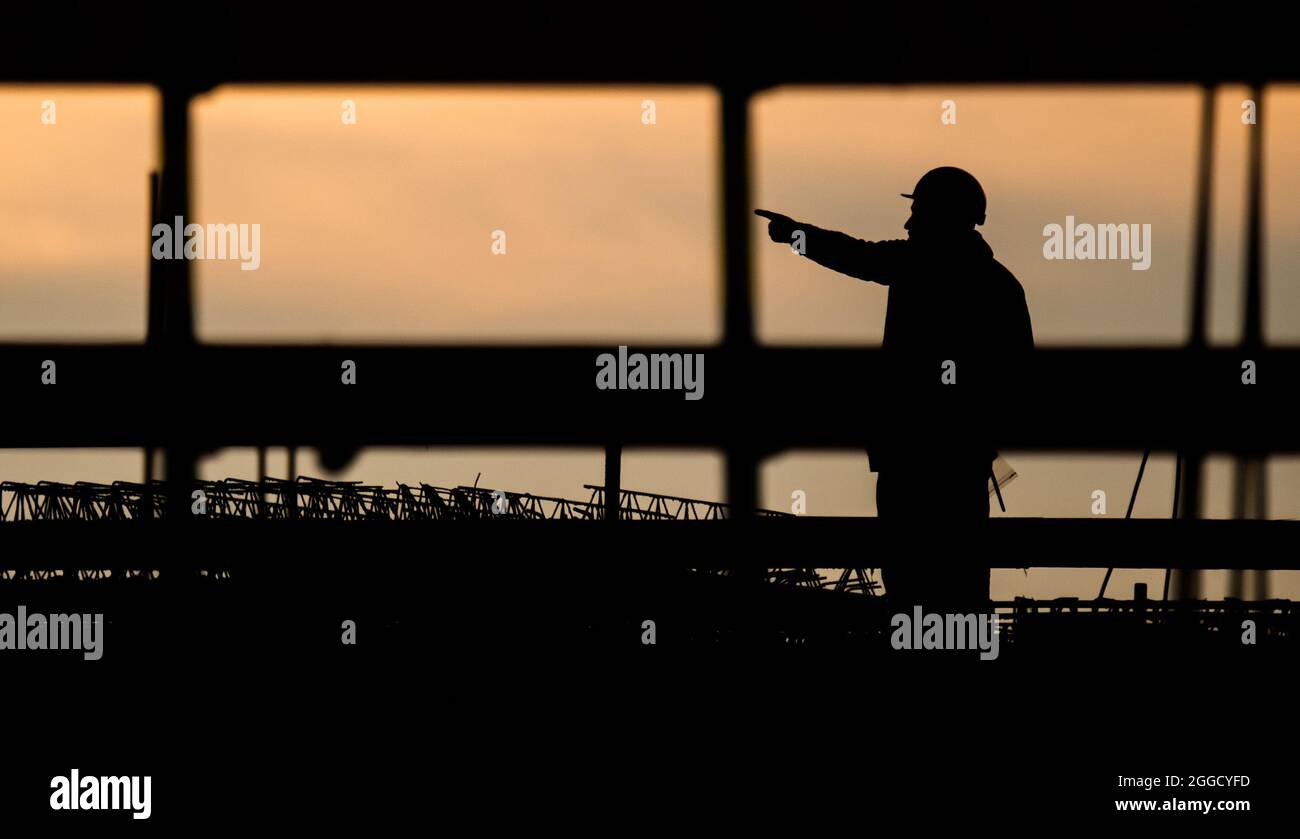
<point>949,299</point>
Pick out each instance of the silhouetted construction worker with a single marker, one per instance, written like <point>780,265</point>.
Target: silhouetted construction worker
<point>948,299</point>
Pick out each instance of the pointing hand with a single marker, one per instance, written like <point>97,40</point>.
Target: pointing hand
<point>780,227</point>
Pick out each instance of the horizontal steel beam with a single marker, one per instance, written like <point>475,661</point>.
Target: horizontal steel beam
<point>526,547</point>
<point>769,399</point>
<point>696,47</point>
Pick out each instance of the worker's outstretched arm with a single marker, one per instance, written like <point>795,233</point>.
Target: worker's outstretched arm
<point>877,262</point>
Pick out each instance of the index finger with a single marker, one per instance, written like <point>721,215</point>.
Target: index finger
<point>768,214</point>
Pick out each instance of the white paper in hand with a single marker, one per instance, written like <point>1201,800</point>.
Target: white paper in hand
<point>1003,473</point>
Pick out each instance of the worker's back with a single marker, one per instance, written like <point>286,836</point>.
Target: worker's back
<point>956,300</point>
<point>955,315</point>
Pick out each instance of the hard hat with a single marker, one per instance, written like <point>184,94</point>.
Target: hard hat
<point>951,191</point>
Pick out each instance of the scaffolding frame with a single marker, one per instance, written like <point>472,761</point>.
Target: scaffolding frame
<point>160,382</point>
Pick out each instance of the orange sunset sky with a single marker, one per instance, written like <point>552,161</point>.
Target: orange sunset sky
<point>381,231</point>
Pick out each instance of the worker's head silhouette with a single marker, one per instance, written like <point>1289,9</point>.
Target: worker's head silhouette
<point>946,200</point>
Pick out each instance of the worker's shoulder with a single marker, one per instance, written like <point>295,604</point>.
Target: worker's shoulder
<point>1004,280</point>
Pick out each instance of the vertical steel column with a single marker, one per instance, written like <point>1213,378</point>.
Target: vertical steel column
<point>261,480</point>
<point>1250,491</point>
<point>173,201</point>
<point>738,339</point>
<point>613,481</point>
<point>153,333</point>
<point>1253,330</point>
<point>1187,582</point>
<point>171,297</point>
<point>291,502</point>
<point>1201,246</point>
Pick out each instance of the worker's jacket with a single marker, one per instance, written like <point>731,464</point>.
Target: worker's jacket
<point>949,300</point>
